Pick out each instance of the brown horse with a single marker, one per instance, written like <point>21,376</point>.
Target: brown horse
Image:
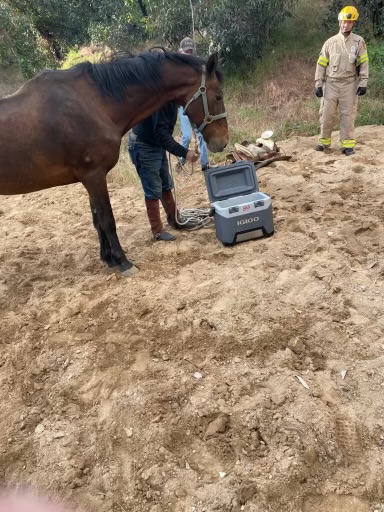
<point>65,127</point>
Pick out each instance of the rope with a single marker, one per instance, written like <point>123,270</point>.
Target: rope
<point>193,20</point>
<point>201,216</point>
<point>182,168</point>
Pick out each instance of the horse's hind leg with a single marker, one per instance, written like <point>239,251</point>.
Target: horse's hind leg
<point>96,185</point>
<point>105,248</point>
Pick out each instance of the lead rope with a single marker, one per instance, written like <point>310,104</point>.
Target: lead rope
<point>201,216</point>
<point>181,166</point>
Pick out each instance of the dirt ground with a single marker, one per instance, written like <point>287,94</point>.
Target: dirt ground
<point>177,389</point>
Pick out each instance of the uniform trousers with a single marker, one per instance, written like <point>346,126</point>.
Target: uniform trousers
<point>339,94</point>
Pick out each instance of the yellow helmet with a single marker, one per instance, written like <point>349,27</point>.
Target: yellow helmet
<point>349,13</point>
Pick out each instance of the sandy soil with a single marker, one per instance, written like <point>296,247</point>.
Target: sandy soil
<point>100,400</point>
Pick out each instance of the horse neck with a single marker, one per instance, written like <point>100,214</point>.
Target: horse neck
<point>177,82</point>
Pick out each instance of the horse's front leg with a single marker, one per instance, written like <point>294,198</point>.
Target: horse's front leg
<point>110,248</point>
<point>105,248</point>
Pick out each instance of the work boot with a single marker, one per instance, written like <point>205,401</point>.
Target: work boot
<point>348,151</point>
<point>153,212</point>
<point>169,205</point>
<point>321,147</point>
<point>165,237</point>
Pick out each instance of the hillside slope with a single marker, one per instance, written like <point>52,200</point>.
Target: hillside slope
<point>101,402</point>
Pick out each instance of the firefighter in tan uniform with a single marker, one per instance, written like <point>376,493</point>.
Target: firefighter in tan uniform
<point>341,76</point>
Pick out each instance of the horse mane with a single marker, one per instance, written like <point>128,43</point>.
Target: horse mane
<point>112,75</point>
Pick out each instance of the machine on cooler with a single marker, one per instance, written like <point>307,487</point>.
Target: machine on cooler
<point>241,212</point>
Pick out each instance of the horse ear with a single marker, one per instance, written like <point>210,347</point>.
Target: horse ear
<point>212,63</point>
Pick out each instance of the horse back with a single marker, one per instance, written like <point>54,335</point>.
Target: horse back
<point>54,129</point>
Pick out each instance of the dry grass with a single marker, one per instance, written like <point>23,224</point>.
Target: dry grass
<point>124,172</point>
<point>279,99</point>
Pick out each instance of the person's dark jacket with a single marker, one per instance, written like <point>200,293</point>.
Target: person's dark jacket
<point>157,130</point>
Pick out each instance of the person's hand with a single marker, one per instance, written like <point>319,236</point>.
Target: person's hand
<point>361,91</point>
<point>192,156</point>
<point>319,92</point>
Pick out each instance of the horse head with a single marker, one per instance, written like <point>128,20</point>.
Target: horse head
<point>206,109</point>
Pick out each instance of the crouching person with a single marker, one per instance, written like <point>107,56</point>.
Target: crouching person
<point>154,136</point>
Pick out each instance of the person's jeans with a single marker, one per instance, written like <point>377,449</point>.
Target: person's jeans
<point>152,168</point>
<point>186,137</point>
<point>132,146</point>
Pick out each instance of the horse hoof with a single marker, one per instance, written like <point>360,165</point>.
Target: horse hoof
<point>128,272</point>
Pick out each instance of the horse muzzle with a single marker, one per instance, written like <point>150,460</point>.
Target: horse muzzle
<point>217,144</point>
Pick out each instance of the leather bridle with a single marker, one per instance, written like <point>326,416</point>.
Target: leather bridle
<point>202,91</point>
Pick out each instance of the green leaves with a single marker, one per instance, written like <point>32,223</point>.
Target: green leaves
<point>20,43</point>
<point>41,32</point>
<point>371,17</point>
<point>239,29</point>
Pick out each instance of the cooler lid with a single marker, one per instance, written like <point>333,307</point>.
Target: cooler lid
<point>232,180</point>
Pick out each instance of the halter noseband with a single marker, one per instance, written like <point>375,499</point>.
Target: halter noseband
<point>202,91</point>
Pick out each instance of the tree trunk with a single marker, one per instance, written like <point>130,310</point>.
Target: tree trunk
<point>8,40</point>
<point>54,45</point>
<point>143,8</point>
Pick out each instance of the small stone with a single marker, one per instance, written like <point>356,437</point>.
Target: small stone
<point>246,493</point>
<point>218,425</point>
<point>249,353</point>
<point>58,435</point>
<point>40,428</point>
<point>198,375</point>
<point>296,345</point>
<point>278,397</point>
<point>310,456</point>
<point>237,360</point>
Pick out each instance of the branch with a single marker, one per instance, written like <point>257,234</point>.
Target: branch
<point>143,8</point>
<point>7,38</point>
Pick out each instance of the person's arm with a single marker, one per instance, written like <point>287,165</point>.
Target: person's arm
<point>166,121</point>
<point>362,63</point>
<point>321,67</point>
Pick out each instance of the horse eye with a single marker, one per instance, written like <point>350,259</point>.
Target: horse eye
<point>219,98</point>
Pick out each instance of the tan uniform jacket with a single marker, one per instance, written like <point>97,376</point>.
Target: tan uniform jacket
<point>340,57</point>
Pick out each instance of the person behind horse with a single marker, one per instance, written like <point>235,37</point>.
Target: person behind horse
<point>188,46</point>
<point>153,138</point>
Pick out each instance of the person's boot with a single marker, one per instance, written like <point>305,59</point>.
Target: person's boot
<point>153,212</point>
<point>348,151</point>
<point>169,205</point>
<point>321,147</point>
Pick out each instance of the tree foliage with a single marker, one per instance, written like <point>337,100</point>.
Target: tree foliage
<point>43,31</point>
<point>240,29</point>
<point>20,42</point>
<point>371,16</point>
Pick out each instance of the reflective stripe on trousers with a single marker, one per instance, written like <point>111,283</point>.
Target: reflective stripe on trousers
<point>339,94</point>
